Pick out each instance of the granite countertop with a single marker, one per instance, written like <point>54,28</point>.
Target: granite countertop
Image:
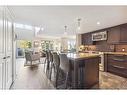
<point>80,56</point>
<point>122,53</point>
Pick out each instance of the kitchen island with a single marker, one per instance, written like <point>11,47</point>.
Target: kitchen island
<point>85,68</point>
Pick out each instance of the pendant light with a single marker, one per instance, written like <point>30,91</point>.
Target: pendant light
<point>79,23</point>
<point>41,30</point>
<point>65,32</point>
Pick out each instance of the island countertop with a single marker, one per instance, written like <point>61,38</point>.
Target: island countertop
<point>80,56</point>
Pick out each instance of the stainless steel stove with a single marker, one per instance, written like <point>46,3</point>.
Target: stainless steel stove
<point>101,65</point>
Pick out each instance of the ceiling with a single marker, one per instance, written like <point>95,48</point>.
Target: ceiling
<point>54,18</point>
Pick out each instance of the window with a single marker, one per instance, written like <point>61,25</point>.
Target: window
<point>71,45</point>
<point>47,45</point>
<point>37,30</point>
<point>23,26</point>
<point>28,27</point>
<point>17,25</point>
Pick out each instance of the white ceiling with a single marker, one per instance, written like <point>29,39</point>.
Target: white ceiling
<point>54,18</point>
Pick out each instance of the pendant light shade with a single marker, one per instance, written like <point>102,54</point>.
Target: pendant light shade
<point>41,30</point>
<point>79,22</point>
<point>65,27</point>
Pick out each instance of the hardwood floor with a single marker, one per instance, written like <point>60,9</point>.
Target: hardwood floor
<point>31,77</point>
<point>35,78</point>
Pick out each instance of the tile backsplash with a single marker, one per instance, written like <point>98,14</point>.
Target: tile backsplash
<point>102,48</point>
<point>121,48</point>
<point>107,48</point>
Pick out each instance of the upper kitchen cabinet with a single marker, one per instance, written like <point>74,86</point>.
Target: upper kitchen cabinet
<point>114,35</point>
<point>87,39</point>
<point>117,34</point>
<point>123,33</point>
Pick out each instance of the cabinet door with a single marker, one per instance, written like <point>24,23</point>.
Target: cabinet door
<point>2,50</point>
<point>2,62</point>
<point>8,51</point>
<point>123,33</point>
<point>1,75</point>
<point>83,39</point>
<point>6,29</point>
<point>2,41</point>
<point>87,39</point>
<point>114,35</point>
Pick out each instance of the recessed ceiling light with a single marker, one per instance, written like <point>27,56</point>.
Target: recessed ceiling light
<point>98,23</point>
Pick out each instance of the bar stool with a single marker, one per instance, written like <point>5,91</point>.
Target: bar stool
<point>46,59</point>
<point>50,63</point>
<point>56,62</point>
<point>64,66</point>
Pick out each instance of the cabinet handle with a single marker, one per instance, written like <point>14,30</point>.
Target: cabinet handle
<point>121,60</point>
<point>119,55</point>
<point>8,56</point>
<point>119,67</point>
<point>4,57</point>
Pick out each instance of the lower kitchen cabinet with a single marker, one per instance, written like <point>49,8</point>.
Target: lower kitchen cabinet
<point>117,64</point>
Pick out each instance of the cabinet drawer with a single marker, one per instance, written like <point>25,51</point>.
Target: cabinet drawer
<point>117,58</point>
<point>121,71</point>
<point>118,63</point>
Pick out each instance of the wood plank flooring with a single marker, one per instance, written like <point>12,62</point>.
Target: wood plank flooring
<point>31,77</point>
<point>35,78</point>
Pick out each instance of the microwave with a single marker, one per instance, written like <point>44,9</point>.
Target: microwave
<point>100,36</point>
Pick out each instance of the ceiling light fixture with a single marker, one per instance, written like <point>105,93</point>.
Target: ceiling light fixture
<point>41,30</point>
<point>98,23</point>
<point>79,23</point>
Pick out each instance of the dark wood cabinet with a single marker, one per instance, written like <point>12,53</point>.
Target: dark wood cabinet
<point>123,33</point>
<point>87,39</point>
<point>117,34</point>
<point>117,64</point>
<point>114,35</point>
